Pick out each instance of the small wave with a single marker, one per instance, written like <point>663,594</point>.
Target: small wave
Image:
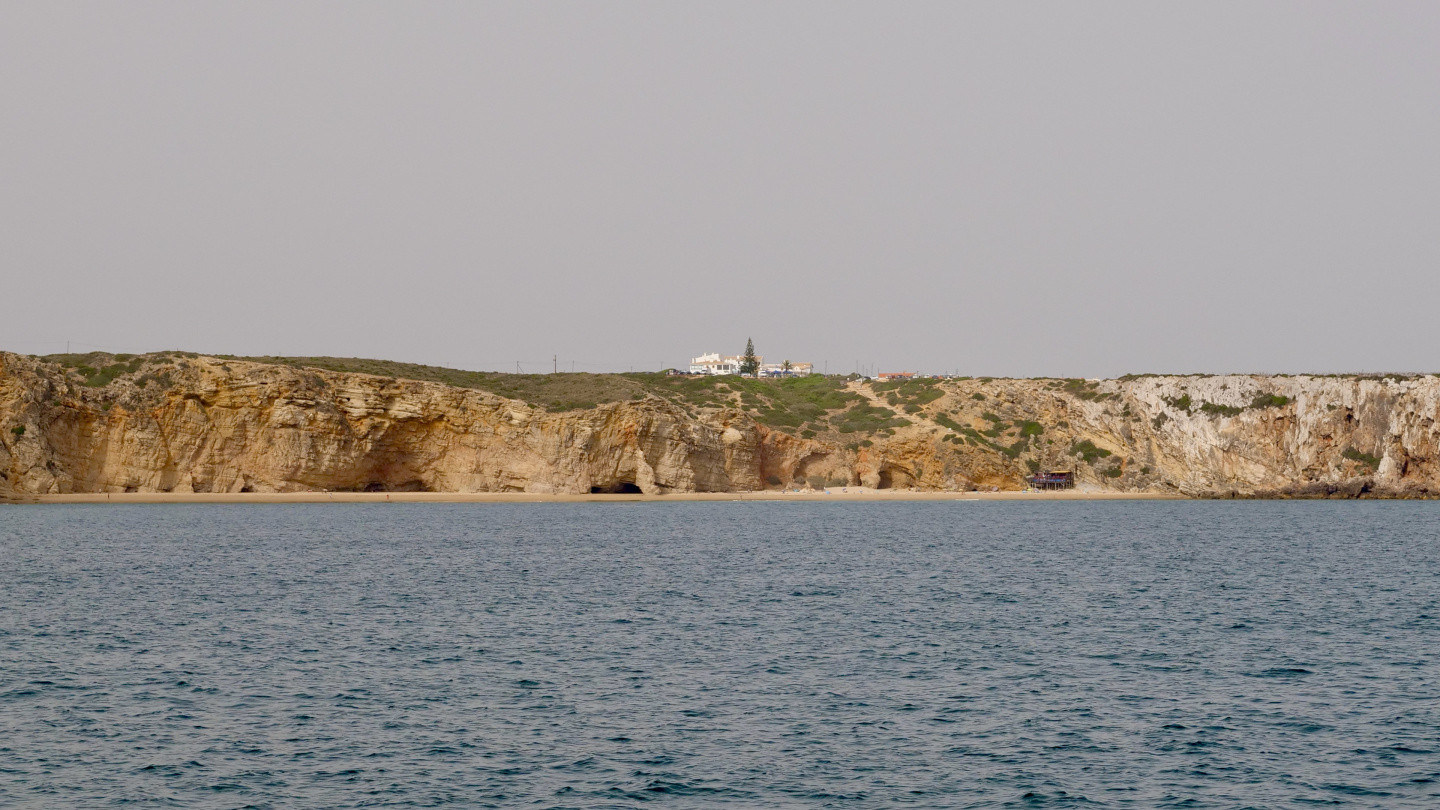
<point>1355,790</point>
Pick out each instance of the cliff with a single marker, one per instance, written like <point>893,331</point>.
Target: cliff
<point>182,422</point>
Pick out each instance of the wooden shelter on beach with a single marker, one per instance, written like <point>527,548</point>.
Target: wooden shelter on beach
<point>1055,479</point>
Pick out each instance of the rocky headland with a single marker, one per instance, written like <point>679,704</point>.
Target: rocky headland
<point>180,422</point>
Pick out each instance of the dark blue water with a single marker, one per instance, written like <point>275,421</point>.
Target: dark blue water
<point>1185,654</point>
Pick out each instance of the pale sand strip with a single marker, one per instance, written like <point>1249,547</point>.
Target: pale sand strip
<point>528,497</point>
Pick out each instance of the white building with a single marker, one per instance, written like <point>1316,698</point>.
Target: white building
<point>730,364</point>
<point>716,364</point>
<point>779,370</point>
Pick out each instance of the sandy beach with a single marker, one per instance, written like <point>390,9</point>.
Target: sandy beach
<point>849,494</point>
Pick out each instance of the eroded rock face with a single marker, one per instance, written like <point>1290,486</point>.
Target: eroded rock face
<point>1237,435</point>
<point>215,426</point>
<point>237,427</point>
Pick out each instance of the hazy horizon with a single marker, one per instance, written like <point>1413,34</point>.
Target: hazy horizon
<point>1012,190</point>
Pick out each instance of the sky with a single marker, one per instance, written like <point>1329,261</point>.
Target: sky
<point>1005,189</point>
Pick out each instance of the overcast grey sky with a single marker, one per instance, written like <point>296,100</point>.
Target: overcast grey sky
<point>1077,189</point>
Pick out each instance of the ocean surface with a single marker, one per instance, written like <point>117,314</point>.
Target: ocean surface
<point>944,654</point>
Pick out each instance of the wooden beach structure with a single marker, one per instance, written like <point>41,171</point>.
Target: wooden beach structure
<point>1055,479</point>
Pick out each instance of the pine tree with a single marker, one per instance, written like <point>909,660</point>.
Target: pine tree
<point>750,364</point>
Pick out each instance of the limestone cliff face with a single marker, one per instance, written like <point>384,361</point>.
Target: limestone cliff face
<point>207,425</point>
<point>1203,436</point>
<point>237,427</point>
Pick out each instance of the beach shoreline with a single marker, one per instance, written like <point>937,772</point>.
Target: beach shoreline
<point>851,494</point>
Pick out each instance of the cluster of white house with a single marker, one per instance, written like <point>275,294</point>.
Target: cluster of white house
<point>730,364</point>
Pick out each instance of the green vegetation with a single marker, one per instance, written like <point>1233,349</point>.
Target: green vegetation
<point>1023,432</point>
<point>1014,450</point>
<point>18,430</point>
<point>978,397</point>
<point>976,437</point>
<point>1112,472</point>
<point>161,379</point>
<point>1364,458</point>
<point>867,419</point>
<point>913,395</point>
<point>1269,401</point>
<point>1087,450</point>
<point>99,368</point>
<point>997,425</point>
<point>749,364</point>
<point>1083,389</point>
<point>106,375</point>
<point>946,421</point>
<point>788,402</point>
<point>785,402</point>
<point>1180,403</point>
<point>1212,409</point>
<point>553,392</point>
<point>1261,400</point>
<point>1188,405</point>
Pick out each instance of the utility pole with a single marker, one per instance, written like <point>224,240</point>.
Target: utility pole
<point>555,363</point>
<point>517,367</point>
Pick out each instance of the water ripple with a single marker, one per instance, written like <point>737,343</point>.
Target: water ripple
<point>1048,655</point>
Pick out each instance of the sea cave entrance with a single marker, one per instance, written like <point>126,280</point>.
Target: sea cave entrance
<point>619,488</point>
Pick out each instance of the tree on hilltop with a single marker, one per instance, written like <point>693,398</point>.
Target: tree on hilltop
<point>750,364</point>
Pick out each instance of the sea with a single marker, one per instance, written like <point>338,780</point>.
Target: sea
<point>948,654</point>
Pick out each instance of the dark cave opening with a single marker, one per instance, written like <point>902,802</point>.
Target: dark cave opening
<point>620,488</point>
